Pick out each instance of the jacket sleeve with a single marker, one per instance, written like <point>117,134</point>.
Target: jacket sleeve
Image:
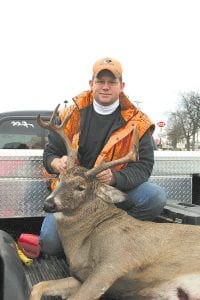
<point>54,148</point>
<point>137,172</point>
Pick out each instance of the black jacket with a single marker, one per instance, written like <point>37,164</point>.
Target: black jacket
<point>127,178</point>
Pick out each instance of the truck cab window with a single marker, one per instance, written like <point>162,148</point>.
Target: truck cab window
<point>21,133</point>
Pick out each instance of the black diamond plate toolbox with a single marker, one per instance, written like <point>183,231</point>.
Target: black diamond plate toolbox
<point>182,213</point>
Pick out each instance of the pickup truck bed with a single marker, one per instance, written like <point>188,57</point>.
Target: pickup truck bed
<point>17,278</point>
<point>24,185</point>
<point>46,268</point>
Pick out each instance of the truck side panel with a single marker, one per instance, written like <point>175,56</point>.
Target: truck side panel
<point>23,183</point>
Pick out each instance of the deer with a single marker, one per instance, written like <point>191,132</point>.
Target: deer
<point>109,252</point>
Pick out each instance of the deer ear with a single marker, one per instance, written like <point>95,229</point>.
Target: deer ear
<point>111,195</point>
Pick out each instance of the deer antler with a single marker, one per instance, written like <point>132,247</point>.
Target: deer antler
<point>60,130</point>
<point>131,156</point>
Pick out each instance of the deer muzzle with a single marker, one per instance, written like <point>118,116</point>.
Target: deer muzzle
<point>49,205</point>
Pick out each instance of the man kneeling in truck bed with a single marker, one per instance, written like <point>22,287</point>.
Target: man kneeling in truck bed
<point>101,128</point>
<point>109,252</point>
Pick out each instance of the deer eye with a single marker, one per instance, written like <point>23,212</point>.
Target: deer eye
<point>80,188</point>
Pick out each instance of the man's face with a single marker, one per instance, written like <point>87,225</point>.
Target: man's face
<point>106,88</point>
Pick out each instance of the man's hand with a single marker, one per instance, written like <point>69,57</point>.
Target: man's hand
<point>59,165</point>
<point>106,177</point>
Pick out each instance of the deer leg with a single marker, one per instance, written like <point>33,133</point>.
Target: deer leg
<point>98,283</point>
<point>61,287</point>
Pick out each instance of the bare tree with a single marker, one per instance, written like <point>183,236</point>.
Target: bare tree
<point>174,130</point>
<point>185,121</point>
<point>191,104</point>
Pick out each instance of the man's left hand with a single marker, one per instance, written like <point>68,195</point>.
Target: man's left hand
<point>106,177</point>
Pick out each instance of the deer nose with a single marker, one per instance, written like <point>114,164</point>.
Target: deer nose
<point>49,205</point>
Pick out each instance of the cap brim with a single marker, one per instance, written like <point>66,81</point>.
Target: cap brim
<point>112,70</point>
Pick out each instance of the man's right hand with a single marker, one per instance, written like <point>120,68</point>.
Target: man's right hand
<point>59,165</point>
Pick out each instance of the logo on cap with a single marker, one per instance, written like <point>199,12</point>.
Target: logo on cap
<point>107,61</point>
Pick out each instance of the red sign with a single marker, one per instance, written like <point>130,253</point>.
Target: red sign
<point>161,124</point>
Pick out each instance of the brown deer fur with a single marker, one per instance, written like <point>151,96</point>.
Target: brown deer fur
<point>112,253</point>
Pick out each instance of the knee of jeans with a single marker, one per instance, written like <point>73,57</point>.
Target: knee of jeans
<point>49,240</point>
<point>50,246</point>
<point>159,200</point>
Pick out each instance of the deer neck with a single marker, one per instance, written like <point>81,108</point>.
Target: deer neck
<point>87,219</point>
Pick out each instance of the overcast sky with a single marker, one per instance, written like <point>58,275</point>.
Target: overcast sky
<point>48,48</point>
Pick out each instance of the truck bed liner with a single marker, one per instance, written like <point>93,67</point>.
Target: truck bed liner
<point>46,268</point>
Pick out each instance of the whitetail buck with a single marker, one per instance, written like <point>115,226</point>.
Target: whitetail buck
<point>111,253</point>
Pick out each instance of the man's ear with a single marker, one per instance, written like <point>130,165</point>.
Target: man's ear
<point>122,85</point>
<point>110,194</point>
<point>91,84</point>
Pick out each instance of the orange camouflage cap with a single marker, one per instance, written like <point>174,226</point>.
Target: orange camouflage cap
<point>107,63</point>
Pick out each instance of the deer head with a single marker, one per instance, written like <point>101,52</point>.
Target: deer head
<point>78,185</point>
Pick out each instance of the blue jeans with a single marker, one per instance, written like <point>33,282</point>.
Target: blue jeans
<point>145,202</point>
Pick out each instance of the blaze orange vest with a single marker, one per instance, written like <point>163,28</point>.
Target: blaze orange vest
<point>119,142</point>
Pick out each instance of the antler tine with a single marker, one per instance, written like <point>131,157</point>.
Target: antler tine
<point>60,130</point>
<point>131,156</point>
<point>50,124</point>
